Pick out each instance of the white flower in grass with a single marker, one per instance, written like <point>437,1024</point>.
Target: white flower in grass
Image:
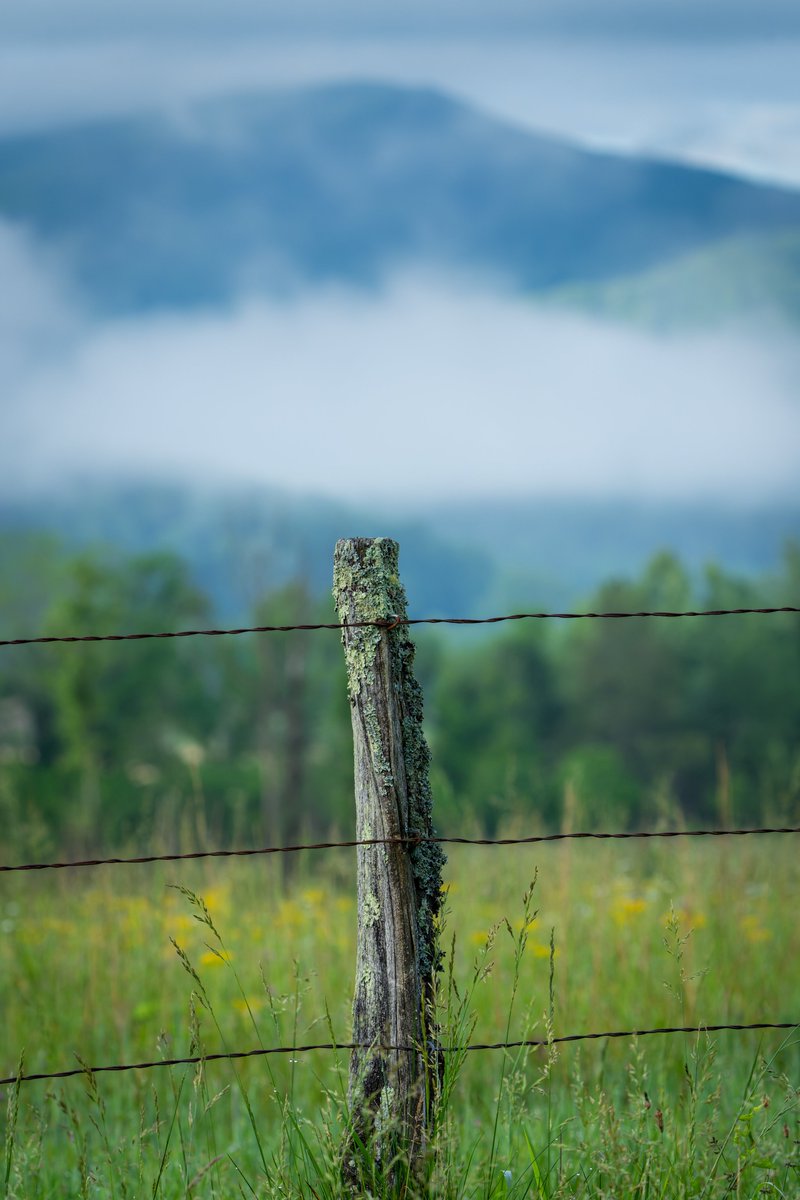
<point>508,1177</point>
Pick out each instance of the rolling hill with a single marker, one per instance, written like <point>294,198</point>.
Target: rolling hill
<point>737,279</point>
<point>342,183</point>
<point>458,558</point>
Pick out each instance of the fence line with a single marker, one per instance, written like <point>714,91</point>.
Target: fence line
<point>412,841</point>
<point>264,1051</point>
<point>393,623</point>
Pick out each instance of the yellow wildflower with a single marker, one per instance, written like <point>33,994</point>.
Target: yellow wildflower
<point>246,1007</point>
<point>290,915</point>
<point>182,923</point>
<point>541,949</point>
<point>753,930</point>
<point>686,917</point>
<point>214,958</point>
<point>217,900</point>
<point>626,909</point>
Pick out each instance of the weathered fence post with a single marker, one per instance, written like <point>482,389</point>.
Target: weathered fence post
<point>399,885</point>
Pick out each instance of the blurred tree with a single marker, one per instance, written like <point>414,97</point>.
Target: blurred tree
<point>605,794</point>
<point>248,738</point>
<point>627,681</point>
<point>302,731</point>
<point>497,715</point>
<point>744,693</point>
<point>120,705</point>
<point>32,571</point>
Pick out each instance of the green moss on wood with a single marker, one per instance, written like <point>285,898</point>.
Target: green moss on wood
<point>367,587</point>
<point>393,795</point>
<point>371,909</point>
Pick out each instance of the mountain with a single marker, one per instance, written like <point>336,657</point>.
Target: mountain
<point>558,551</point>
<point>341,183</point>
<point>467,558</point>
<point>242,543</point>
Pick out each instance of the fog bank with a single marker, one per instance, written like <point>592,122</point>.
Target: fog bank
<point>433,387</point>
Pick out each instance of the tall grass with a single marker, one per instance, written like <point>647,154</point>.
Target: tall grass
<point>116,965</point>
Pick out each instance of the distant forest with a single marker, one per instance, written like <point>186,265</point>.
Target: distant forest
<point>534,725</point>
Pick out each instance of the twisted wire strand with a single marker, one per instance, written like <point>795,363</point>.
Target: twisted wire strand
<point>269,1050</point>
<point>393,623</point>
<point>411,841</point>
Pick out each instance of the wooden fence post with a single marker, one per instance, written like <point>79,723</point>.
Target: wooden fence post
<point>399,886</point>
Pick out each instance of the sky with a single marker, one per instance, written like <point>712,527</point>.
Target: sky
<point>436,386</point>
<point>693,19</point>
<point>679,83</point>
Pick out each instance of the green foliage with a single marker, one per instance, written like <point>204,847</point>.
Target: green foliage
<point>599,790</point>
<point>496,710</point>
<point>112,710</point>
<point>590,723</point>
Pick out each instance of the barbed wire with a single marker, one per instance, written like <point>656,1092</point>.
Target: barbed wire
<point>392,623</point>
<point>412,840</point>
<point>261,1052</point>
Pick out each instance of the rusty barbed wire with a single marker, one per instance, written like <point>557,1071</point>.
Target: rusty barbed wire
<point>392,623</point>
<point>412,840</point>
<point>261,1052</point>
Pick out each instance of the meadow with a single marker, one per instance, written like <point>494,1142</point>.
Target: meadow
<point>112,965</point>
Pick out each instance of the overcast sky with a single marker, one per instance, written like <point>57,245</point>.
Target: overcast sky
<point>706,80</point>
<point>676,18</point>
<point>471,389</point>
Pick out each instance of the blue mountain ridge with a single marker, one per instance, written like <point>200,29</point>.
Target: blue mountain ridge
<point>341,183</point>
<point>466,558</point>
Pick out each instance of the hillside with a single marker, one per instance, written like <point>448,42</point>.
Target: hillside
<point>744,277</point>
<point>241,543</point>
<point>458,558</point>
<point>341,183</point>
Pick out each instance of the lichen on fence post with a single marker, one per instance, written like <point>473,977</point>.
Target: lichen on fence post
<point>399,885</point>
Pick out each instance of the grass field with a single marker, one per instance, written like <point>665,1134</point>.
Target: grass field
<point>643,934</point>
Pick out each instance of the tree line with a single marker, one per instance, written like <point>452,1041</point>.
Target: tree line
<point>542,725</point>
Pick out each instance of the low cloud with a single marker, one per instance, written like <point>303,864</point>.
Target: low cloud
<point>432,388</point>
<point>38,315</point>
<point>760,140</point>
